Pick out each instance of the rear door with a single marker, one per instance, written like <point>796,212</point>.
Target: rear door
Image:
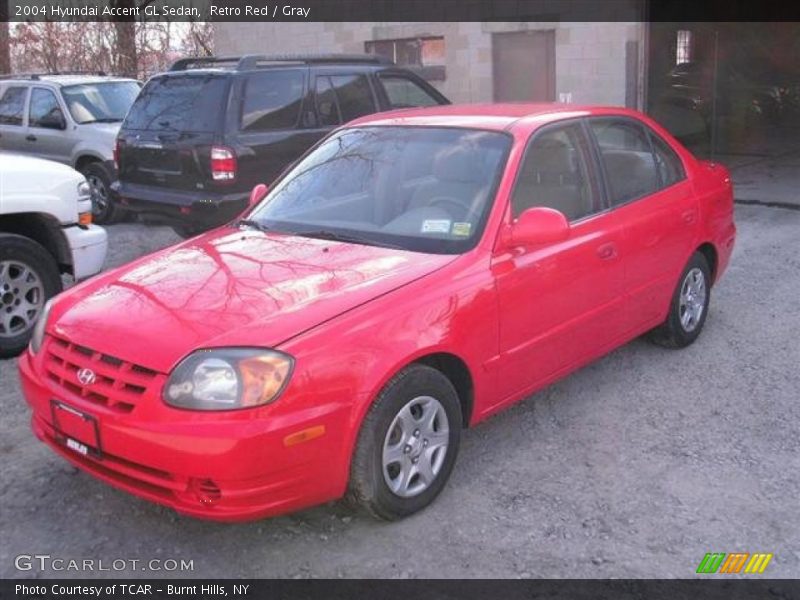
<point>13,105</point>
<point>166,138</point>
<point>273,120</point>
<point>648,190</point>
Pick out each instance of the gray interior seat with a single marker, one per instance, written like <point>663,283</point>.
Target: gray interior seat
<point>629,175</point>
<point>550,178</point>
<point>459,174</point>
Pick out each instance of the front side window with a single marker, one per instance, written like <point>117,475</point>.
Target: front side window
<point>627,158</point>
<point>354,185</point>
<point>43,105</point>
<point>105,102</point>
<point>554,174</point>
<point>405,93</point>
<point>12,106</point>
<point>272,100</point>
<point>327,107</point>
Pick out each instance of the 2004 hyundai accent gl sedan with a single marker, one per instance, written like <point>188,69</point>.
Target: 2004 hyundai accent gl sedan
<point>414,273</point>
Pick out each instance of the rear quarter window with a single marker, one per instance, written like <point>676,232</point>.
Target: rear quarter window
<point>192,102</point>
<point>12,106</point>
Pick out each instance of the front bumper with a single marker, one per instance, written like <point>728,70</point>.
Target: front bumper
<point>88,245</point>
<point>224,467</point>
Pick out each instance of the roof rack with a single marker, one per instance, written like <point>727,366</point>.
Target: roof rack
<point>253,61</point>
<point>37,76</point>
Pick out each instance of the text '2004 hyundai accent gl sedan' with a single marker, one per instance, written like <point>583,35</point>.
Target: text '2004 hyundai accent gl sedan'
<point>414,273</point>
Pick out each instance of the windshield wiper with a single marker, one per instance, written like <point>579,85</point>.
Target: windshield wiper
<point>251,223</point>
<point>103,120</point>
<point>327,234</point>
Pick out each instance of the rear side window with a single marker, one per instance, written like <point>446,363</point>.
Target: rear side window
<point>272,100</point>
<point>180,103</point>
<point>327,108</point>
<point>670,168</point>
<point>12,106</point>
<point>43,104</point>
<point>354,95</point>
<point>627,157</point>
<point>405,93</point>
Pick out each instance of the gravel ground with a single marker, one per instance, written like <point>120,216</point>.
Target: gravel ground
<point>633,467</point>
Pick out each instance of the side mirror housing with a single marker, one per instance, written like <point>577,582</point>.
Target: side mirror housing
<point>53,120</point>
<point>257,194</point>
<point>537,226</point>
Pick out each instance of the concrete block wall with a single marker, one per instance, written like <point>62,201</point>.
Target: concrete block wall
<point>590,57</point>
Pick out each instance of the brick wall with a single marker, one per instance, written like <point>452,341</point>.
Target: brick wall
<point>590,57</point>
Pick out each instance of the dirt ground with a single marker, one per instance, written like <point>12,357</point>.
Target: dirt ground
<point>633,467</point>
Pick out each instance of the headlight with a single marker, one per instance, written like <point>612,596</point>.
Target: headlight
<point>38,330</point>
<point>228,379</point>
<point>84,190</point>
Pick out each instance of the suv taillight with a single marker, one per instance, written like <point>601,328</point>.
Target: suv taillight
<point>223,164</point>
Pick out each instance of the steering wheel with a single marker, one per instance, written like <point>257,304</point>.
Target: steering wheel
<point>445,201</point>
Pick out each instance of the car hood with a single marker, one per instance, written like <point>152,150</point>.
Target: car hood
<point>229,288</point>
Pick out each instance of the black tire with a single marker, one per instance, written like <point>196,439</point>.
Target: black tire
<point>674,333</point>
<point>18,250</point>
<point>104,208</point>
<point>188,230</point>
<point>368,487</point>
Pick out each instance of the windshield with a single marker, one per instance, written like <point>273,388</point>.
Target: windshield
<point>419,188</point>
<point>103,102</point>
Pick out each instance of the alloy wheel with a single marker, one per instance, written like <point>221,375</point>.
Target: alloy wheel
<point>22,298</point>
<point>693,299</point>
<point>415,446</point>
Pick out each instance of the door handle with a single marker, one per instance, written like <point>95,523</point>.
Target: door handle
<point>607,251</point>
<point>689,216</point>
<point>31,138</point>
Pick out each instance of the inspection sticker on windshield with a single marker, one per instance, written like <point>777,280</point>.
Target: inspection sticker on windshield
<point>462,229</point>
<point>436,226</point>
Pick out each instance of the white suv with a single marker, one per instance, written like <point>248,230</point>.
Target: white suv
<point>69,118</point>
<point>45,232</point>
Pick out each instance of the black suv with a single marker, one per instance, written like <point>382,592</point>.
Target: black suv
<point>200,136</point>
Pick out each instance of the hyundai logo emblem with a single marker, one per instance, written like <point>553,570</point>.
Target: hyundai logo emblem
<point>87,376</point>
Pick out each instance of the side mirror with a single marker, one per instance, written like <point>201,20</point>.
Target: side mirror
<point>53,120</point>
<point>536,226</point>
<point>257,195</point>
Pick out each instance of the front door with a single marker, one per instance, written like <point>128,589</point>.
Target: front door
<point>562,304</point>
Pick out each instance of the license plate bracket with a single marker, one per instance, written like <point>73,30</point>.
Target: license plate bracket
<point>76,429</point>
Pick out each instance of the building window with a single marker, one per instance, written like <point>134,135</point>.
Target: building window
<point>424,55</point>
<point>683,47</point>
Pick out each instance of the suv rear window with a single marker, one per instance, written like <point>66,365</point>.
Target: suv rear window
<point>272,100</point>
<point>12,105</point>
<point>180,103</point>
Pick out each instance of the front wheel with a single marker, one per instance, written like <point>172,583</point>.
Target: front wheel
<point>689,306</point>
<point>28,277</point>
<point>407,445</point>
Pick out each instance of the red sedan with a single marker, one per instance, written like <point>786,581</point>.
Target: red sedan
<point>414,273</point>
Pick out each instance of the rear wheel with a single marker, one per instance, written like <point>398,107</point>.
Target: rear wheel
<point>689,307</point>
<point>104,209</point>
<point>28,277</point>
<point>407,445</point>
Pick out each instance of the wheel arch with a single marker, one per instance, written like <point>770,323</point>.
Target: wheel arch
<point>457,372</point>
<point>709,251</point>
<point>84,159</point>
<point>43,229</point>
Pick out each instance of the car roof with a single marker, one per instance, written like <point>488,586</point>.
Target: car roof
<point>64,80</point>
<point>498,117</point>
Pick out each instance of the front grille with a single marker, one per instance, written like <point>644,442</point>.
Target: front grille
<point>117,384</point>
